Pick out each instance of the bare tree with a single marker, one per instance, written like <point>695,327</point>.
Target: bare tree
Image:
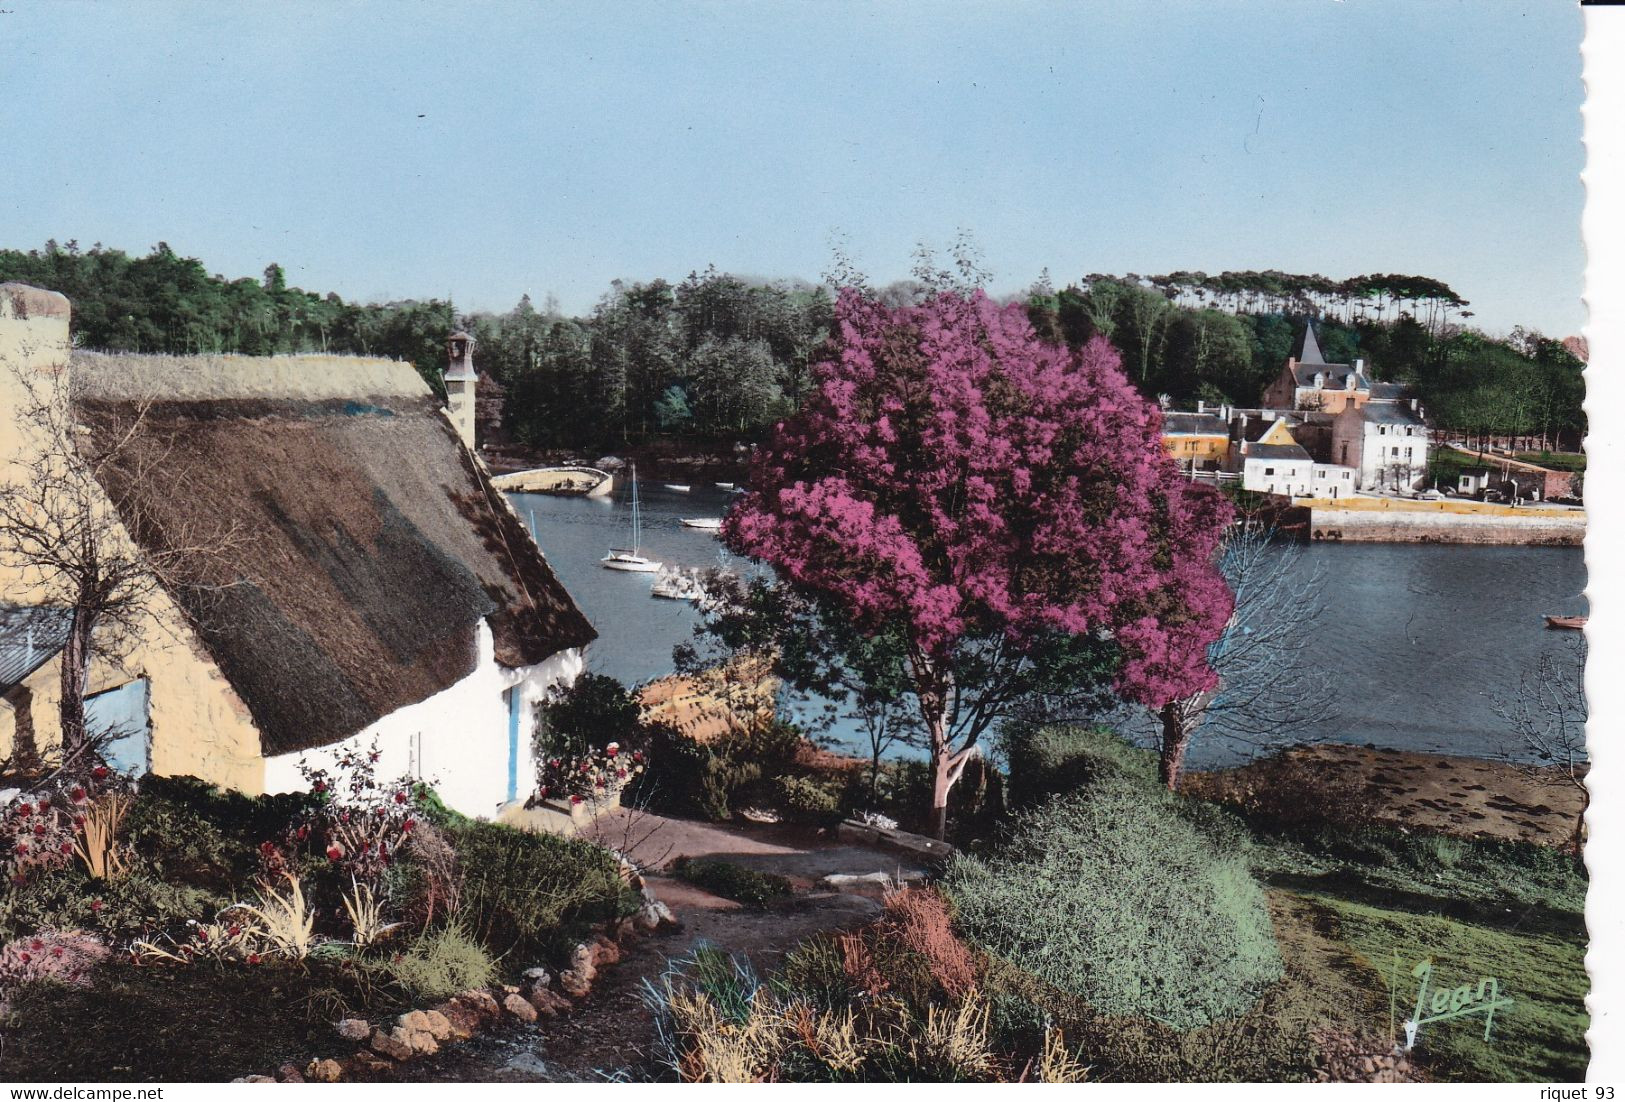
<point>1546,723</point>
<point>67,534</point>
<point>1269,689</point>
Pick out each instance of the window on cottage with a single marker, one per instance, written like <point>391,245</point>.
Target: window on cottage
<point>1269,470</point>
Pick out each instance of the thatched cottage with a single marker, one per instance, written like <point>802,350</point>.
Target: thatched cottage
<point>364,580</point>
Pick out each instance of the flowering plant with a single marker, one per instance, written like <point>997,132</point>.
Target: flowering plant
<point>359,822</point>
<point>45,828</point>
<point>61,956</point>
<point>595,775</point>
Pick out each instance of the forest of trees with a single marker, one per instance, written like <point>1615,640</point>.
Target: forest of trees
<point>722,358</point>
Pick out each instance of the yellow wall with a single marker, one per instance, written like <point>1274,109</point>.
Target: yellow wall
<point>1198,448</point>
<point>199,725</point>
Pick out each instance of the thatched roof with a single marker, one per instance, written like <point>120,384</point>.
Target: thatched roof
<point>361,545</point>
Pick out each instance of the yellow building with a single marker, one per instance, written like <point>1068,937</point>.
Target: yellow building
<point>1199,439</point>
<point>340,571</point>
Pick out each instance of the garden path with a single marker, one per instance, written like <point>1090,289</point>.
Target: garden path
<point>612,1028</point>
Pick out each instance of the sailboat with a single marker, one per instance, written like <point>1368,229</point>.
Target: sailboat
<point>624,558</point>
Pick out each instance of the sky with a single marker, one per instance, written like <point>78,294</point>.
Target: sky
<point>487,150</point>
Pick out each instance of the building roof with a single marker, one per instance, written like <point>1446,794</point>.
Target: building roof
<point>30,635</point>
<point>1333,377</point>
<point>1389,413</point>
<point>1276,451</point>
<point>1194,424</point>
<point>1307,350</point>
<point>1388,392</point>
<point>358,544</point>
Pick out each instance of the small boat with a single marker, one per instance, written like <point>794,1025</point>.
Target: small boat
<point>706,524</point>
<point>675,488</point>
<point>630,558</point>
<point>1573,623</point>
<point>678,584</point>
<point>725,485</point>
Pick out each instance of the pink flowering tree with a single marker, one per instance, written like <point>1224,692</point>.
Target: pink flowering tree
<point>988,500</point>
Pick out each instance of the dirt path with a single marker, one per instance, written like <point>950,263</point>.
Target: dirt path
<point>613,1028</point>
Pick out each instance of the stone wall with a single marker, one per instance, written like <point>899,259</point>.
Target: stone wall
<point>1418,526</point>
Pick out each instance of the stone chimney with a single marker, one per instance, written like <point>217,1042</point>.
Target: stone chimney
<point>460,383</point>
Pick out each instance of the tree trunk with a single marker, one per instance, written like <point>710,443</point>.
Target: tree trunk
<point>1176,737</point>
<point>75,674</point>
<point>941,782</point>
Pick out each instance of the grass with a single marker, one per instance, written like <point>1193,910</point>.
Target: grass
<point>731,881</point>
<point>1541,1038</point>
<point>1557,461</point>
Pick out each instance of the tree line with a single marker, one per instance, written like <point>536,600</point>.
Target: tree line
<point>718,358</point>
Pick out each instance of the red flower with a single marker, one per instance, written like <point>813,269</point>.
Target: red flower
<point>400,797</point>
<point>26,958</point>
<point>25,810</point>
<point>234,929</point>
<point>96,905</point>
<point>56,950</point>
<point>303,833</point>
<point>334,852</point>
<point>22,847</point>
<point>100,772</point>
<point>267,849</point>
<point>202,934</point>
<point>39,828</point>
<point>319,786</point>
<point>253,958</point>
<point>611,750</point>
<point>66,847</point>
<point>78,795</point>
<point>637,755</point>
<point>409,824</point>
<point>574,798</point>
<point>36,944</point>
<point>44,806</point>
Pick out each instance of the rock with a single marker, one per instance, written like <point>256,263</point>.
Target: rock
<point>420,1041</point>
<point>519,1008</point>
<point>549,1003</point>
<point>413,1021</point>
<point>581,960</point>
<point>575,984</point>
<point>463,1020</point>
<point>509,989</point>
<point>438,1025</point>
<point>1368,1066</point>
<point>647,918</point>
<point>287,1073</point>
<point>663,913</point>
<point>355,1029</point>
<point>255,1079</point>
<point>480,1001</point>
<point>538,977</point>
<point>388,1044</point>
<point>605,951</point>
<point>528,1063</point>
<point>324,1071</point>
<point>366,1063</point>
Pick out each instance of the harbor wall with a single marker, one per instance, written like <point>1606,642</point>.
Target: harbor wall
<point>1398,525</point>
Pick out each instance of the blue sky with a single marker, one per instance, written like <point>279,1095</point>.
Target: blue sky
<point>489,150</point>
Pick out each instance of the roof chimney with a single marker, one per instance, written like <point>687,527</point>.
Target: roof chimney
<point>460,382</point>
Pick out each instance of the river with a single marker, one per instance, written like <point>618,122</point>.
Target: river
<point>1421,639</point>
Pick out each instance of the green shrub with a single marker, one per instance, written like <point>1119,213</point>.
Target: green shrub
<point>137,903</point>
<point>808,797</point>
<point>1051,760</point>
<point>1109,893</point>
<point>731,881</point>
<point>438,964</point>
<point>689,780</point>
<point>534,894</point>
<point>976,804</point>
<point>594,711</point>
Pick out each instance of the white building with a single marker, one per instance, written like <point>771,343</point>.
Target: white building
<point>1386,443</point>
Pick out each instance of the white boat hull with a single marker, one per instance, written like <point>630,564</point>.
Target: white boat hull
<point>705,524</point>
<point>635,564</point>
<point>676,488</point>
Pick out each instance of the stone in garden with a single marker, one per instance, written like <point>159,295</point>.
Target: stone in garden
<point>647,918</point>
<point>287,1073</point>
<point>387,1044</point>
<point>463,1020</point>
<point>538,977</point>
<point>549,1003</point>
<point>355,1029</point>
<point>519,1008</point>
<point>324,1071</point>
<point>575,984</point>
<point>420,1041</point>
<point>581,960</point>
<point>255,1079</point>
<point>480,1001</point>
<point>437,1025</point>
<point>605,951</point>
<point>367,1063</point>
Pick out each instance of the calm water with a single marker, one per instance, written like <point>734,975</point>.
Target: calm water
<point>1422,638</point>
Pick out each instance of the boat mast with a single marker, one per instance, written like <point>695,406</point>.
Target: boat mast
<point>637,540</point>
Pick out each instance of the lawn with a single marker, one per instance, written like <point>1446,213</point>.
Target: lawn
<point>1557,461</point>
<point>1540,1038</point>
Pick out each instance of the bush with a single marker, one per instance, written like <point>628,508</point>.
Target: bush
<point>1051,760</point>
<point>1110,894</point>
<point>534,894</point>
<point>808,798</point>
<point>594,711</point>
<point>731,881</point>
<point>689,780</point>
<point>438,964</point>
<point>137,903</point>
